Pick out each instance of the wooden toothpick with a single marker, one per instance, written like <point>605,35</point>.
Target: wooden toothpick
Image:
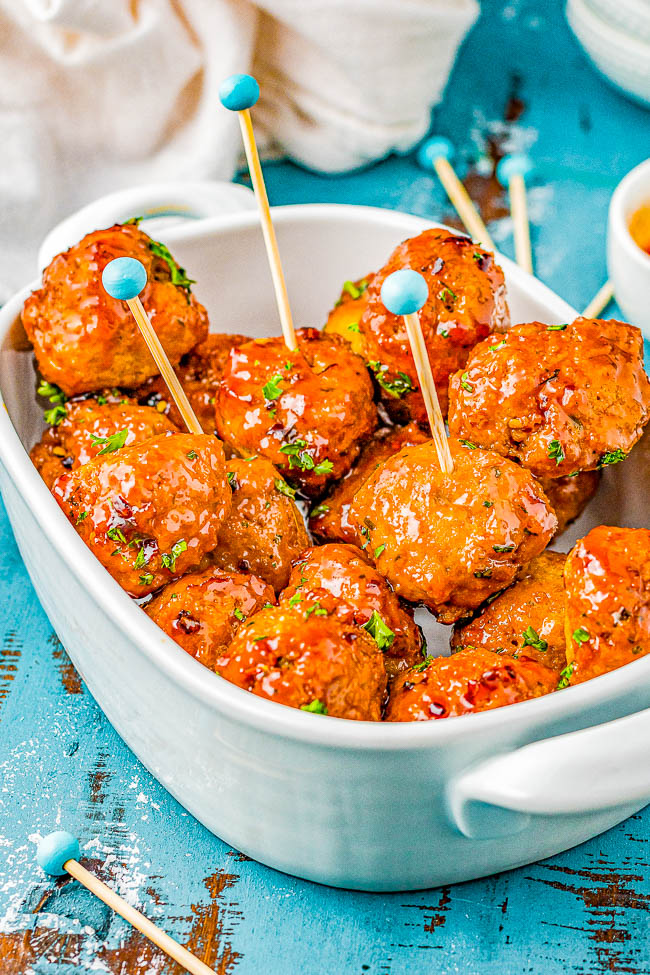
<point>512,172</point>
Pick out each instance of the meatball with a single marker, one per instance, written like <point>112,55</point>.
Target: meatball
<point>203,610</point>
<point>472,680</point>
<point>307,411</point>
<point>310,660</point>
<point>90,428</point>
<point>451,540</point>
<point>264,531</point>
<point>527,619</point>
<point>467,301</point>
<point>150,512</point>
<point>199,372</point>
<point>346,314</point>
<point>84,339</point>
<point>329,520</point>
<point>569,496</point>
<point>364,598</point>
<point>557,398</point>
<point>607,580</point>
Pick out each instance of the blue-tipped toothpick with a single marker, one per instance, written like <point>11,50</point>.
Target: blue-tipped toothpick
<point>404,293</point>
<point>239,93</point>
<point>436,153</point>
<point>511,173</point>
<point>59,853</point>
<point>124,278</point>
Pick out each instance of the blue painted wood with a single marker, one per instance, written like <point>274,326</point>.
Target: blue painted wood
<point>61,764</point>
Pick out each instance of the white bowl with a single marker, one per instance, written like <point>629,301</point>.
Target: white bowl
<point>631,17</point>
<point>354,804</point>
<point>628,265</point>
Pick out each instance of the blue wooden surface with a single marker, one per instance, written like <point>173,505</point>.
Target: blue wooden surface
<point>587,911</point>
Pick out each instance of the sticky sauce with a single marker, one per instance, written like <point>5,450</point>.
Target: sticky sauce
<point>640,227</point>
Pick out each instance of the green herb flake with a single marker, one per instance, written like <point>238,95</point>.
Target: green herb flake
<point>178,275</point>
<point>500,345</point>
<point>556,328</point>
<point>418,668</point>
<point>379,550</point>
<point>580,635</point>
<point>232,479</point>
<point>272,390</point>
<point>325,467</point>
<point>192,455</point>
<point>483,574</point>
<point>468,444</point>
<point>237,613</point>
<point>54,415</point>
<point>112,443</point>
<point>565,677</point>
<point>444,332</point>
<point>295,599</point>
<point>534,640</point>
<point>49,391</point>
<point>354,327</point>
<point>488,504</point>
<point>283,488</point>
<point>298,456</point>
<point>446,295</point>
<point>146,579</point>
<point>503,548</point>
<point>397,387</point>
<point>169,560</point>
<point>556,451</point>
<point>314,707</point>
<point>612,457</point>
<point>320,509</point>
<point>467,386</point>
<point>381,634</point>
<point>81,517</point>
<point>116,535</point>
<point>132,221</point>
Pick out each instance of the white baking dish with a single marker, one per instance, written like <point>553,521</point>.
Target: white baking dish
<point>372,806</point>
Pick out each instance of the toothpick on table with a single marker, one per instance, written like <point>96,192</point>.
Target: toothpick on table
<point>511,173</point>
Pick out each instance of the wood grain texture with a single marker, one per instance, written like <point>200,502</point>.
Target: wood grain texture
<point>586,912</point>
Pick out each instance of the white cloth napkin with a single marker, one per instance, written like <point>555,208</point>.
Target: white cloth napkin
<point>96,95</point>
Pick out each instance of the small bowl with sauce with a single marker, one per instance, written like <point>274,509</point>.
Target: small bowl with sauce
<point>628,246</point>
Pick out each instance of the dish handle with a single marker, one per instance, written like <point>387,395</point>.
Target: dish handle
<point>584,771</point>
<point>167,204</point>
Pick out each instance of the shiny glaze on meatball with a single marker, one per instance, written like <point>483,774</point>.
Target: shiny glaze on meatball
<point>450,541</point>
<point>364,598</point>
<point>527,619</point>
<point>150,512</point>
<point>84,339</point>
<point>470,681</point>
<point>467,301</point>
<point>607,580</point>
<point>308,411</point>
<point>559,399</point>
<point>265,530</point>
<point>569,496</point>
<point>203,610</point>
<point>309,660</point>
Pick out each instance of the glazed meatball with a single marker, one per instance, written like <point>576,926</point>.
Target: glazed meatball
<point>451,540</point>
<point>84,339</point>
<point>346,314</point>
<point>317,663</point>
<point>472,680</point>
<point>264,531</point>
<point>364,598</point>
<point>151,512</point>
<point>199,372</point>
<point>569,496</point>
<point>467,301</point>
<point>557,398</point>
<point>527,619</point>
<point>203,610</point>
<point>308,411</point>
<point>607,580</point>
<point>90,428</point>
<point>329,520</point>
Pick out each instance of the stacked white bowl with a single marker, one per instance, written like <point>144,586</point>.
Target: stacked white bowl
<point>616,36</point>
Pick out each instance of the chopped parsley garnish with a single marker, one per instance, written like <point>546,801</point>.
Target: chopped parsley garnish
<point>354,327</point>
<point>146,579</point>
<point>503,548</point>
<point>116,535</point>
<point>57,397</point>
<point>314,707</point>
<point>500,345</point>
<point>169,560</point>
<point>483,574</point>
<point>556,451</point>
<point>238,614</point>
<point>112,443</point>
<point>447,295</point>
<point>316,609</point>
<point>325,467</point>
<point>612,457</point>
<point>192,455</point>
<point>444,332</point>
<point>477,256</point>
<point>555,328</point>
<point>381,634</point>
<point>580,635</point>
<point>418,668</point>
<point>284,488</point>
<point>379,550</point>
<point>54,415</point>
<point>467,386</point>
<point>394,387</point>
<point>565,676</point>
<point>488,504</point>
<point>132,221</point>
<point>178,275</point>
<point>320,509</point>
<point>301,458</point>
<point>469,444</point>
<point>355,291</point>
<point>534,640</point>
<point>81,516</point>
<point>273,388</point>
<point>232,479</point>
<point>295,599</point>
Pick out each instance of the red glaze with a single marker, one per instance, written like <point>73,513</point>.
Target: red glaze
<point>320,406</point>
<point>298,658</point>
<point>558,401</point>
<point>84,339</point>
<point>450,541</point>
<point>467,301</point>
<point>161,501</point>
<point>607,579</point>
<point>203,610</point>
<point>472,680</point>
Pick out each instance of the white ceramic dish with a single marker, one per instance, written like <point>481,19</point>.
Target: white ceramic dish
<point>628,266</point>
<point>632,17</point>
<point>371,806</point>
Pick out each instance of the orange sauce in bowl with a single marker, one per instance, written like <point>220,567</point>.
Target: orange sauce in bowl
<point>640,227</point>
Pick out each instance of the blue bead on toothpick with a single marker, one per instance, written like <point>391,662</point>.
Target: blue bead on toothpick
<point>435,148</point>
<point>55,850</point>
<point>517,164</point>
<point>124,278</point>
<point>404,292</point>
<point>238,92</point>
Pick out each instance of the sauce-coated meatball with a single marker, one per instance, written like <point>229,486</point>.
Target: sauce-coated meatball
<point>467,301</point>
<point>329,520</point>
<point>318,663</point>
<point>84,339</point>
<point>451,540</point>
<point>569,496</point>
<point>472,680</point>
<point>203,610</point>
<point>527,619</point>
<point>346,314</point>
<point>265,530</point>
<point>364,598</point>
<point>150,512</point>
<point>308,411</point>
<point>607,580</point>
<point>559,399</point>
